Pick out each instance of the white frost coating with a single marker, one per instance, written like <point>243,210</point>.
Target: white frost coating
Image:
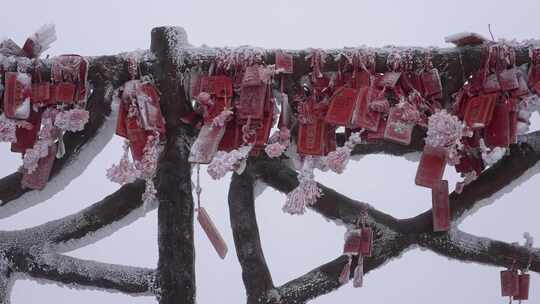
<point>43,38</point>
<point>178,41</point>
<point>258,188</point>
<point>72,169</point>
<point>508,189</point>
<point>491,156</point>
<point>468,243</point>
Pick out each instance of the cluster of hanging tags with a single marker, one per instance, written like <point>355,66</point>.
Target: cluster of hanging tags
<point>36,111</point>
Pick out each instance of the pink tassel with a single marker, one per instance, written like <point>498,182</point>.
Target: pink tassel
<point>337,160</point>
<point>224,162</point>
<point>345,274</point>
<point>306,193</point>
<point>358,279</point>
<point>7,129</point>
<point>125,172</point>
<point>278,143</point>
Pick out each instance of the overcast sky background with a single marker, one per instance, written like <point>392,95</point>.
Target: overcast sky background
<point>293,245</point>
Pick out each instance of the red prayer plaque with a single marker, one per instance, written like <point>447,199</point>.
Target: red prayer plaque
<point>469,163</point>
<point>509,283</point>
<point>252,76</point>
<point>366,244</point>
<point>205,146</point>
<point>497,133</point>
<point>310,138</point>
<point>64,92</point>
<point>534,75</point>
<point>284,62</point>
<point>212,232</point>
<point>39,178</point>
<point>431,167</point>
<point>121,122</point>
<point>223,86</point>
<point>26,138</point>
<point>232,138</point>
<point>17,91</point>
<point>353,241</point>
<point>364,116</point>
<point>361,79</point>
<point>41,92</point>
<point>263,133</point>
<point>377,135</point>
<point>137,138</point>
<point>150,109</point>
<point>479,110</point>
<point>508,79</point>
<point>389,80</point>
<point>491,84</point>
<point>215,109</point>
<point>440,207</point>
<point>342,105</point>
<point>523,287</point>
<point>431,82</point>
<point>398,130</point>
<point>251,103</point>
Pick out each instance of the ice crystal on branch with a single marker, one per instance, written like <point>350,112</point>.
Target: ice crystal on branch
<point>224,162</point>
<point>445,131</point>
<point>337,160</point>
<point>306,193</point>
<point>72,120</point>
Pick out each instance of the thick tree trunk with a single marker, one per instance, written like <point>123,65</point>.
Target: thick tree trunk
<point>176,270</point>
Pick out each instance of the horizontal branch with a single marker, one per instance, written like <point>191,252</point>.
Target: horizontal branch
<point>466,247</point>
<point>72,271</point>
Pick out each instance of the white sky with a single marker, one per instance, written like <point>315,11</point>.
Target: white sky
<point>293,245</point>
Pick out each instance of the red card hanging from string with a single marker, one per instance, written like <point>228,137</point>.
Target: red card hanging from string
<point>342,105</point>
<point>508,79</point>
<point>479,110</point>
<point>398,130</point>
<point>284,63</point>
<point>440,207</point>
<point>431,82</point>
<point>388,80</point>
<point>17,91</point>
<point>492,84</point>
<point>361,79</point>
<point>509,283</point>
<point>38,179</point>
<point>206,145</point>
<point>352,242</point>
<point>524,280</point>
<point>251,103</point>
<point>366,244</point>
<point>364,117</point>
<point>41,93</point>
<point>310,138</point>
<point>27,136</point>
<point>121,122</point>
<point>212,232</point>
<point>497,133</point>
<point>137,137</point>
<point>431,167</point>
<point>232,137</point>
<point>149,107</point>
<point>69,76</point>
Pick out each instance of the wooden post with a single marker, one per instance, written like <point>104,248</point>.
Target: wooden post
<point>176,264</point>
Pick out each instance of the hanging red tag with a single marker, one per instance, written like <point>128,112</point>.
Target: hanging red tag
<point>148,103</point>
<point>523,88</point>
<point>431,167</point>
<point>431,82</point>
<point>364,116</point>
<point>508,79</point>
<point>251,103</point>
<point>41,93</point>
<point>212,232</point>
<point>389,80</point>
<point>366,244</point>
<point>252,76</point>
<point>27,137</point>
<point>64,92</point>
<point>38,179</point>
<point>358,277</point>
<point>232,138</point>
<point>121,122</point>
<point>310,138</point>
<point>398,130</point>
<point>497,133</point>
<point>342,106</point>
<point>137,138</point>
<point>509,283</point>
<point>17,91</point>
<point>440,207</point>
<point>491,84</point>
<point>370,136</point>
<point>479,110</point>
<point>353,241</point>
<point>523,287</point>
<point>223,86</point>
<point>284,63</point>
<point>206,145</point>
<point>534,75</point>
<point>361,79</point>
<point>469,163</point>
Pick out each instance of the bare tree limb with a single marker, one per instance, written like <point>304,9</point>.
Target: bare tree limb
<point>466,247</point>
<point>5,282</point>
<point>72,271</point>
<point>255,274</point>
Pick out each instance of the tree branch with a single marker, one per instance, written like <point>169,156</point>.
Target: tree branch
<point>255,274</point>
<point>466,247</point>
<point>68,270</point>
<point>5,282</point>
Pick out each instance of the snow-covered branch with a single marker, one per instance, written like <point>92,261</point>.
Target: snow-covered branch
<point>255,274</point>
<point>71,271</point>
<point>466,247</point>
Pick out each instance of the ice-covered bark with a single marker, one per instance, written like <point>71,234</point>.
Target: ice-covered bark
<point>255,274</point>
<point>176,263</point>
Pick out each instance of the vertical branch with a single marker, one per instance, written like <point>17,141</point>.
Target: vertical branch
<point>255,274</point>
<point>176,264</point>
<point>5,284</point>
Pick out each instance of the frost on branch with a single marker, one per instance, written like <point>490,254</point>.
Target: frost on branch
<point>224,162</point>
<point>40,41</point>
<point>306,193</point>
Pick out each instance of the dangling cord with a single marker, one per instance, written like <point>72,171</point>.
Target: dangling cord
<point>198,188</point>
